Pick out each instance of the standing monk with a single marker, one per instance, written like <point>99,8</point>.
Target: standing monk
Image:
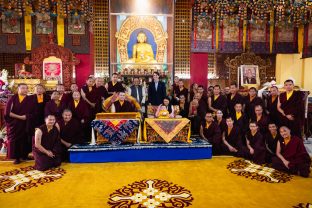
<point>54,106</point>
<point>80,111</point>
<point>47,145</point>
<point>251,100</point>
<point>217,101</point>
<point>291,106</point>
<point>17,116</point>
<point>62,96</point>
<point>114,86</point>
<point>233,98</point>
<point>271,105</point>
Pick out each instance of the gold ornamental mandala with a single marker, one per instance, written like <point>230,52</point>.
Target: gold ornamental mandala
<point>151,193</point>
<point>27,177</point>
<point>258,172</point>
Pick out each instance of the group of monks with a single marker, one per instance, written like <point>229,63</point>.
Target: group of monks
<point>49,125</point>
<point>262,130</point>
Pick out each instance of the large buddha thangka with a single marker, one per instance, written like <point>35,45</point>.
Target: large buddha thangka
<point>142,54</point>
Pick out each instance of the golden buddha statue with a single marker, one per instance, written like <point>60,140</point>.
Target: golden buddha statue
<point>142,52</point>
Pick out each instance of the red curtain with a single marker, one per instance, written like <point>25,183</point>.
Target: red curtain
<point>84,69</point>
<point>199,68</point>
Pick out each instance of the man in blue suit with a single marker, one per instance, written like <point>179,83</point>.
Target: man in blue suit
<point>156,90</point>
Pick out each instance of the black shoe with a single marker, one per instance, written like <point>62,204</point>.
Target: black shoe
<point>17,161</point>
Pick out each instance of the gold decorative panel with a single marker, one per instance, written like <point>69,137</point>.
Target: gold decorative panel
<point>182,38</point>
<point>101,37</point>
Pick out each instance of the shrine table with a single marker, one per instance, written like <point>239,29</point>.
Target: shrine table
<point>168,130</point>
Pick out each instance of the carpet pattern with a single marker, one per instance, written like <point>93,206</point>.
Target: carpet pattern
<point>260,173</point>
<point>151,193</point>
<point>25,178</point>
<point>303,205</point>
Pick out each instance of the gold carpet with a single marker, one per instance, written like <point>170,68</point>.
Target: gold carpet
<point>219,182</point>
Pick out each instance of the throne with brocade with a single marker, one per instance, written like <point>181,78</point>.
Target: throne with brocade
<point>53,64</point>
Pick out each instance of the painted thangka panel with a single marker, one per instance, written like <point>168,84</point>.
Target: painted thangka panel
<point>285,40</point>
<point>259,40</point>
<point>307,41</point>
<point>229,43</point>
<point>202,37</point>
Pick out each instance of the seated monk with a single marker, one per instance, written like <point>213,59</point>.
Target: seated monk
<point>292,156</point>
<point>70,129</point>
<point>255,150</point>
<point>232,141</point>
<point>270,139</point>
<point>122,105</point>
<point>165,110</point>
<point>47,145</point>
<point>210,131</point>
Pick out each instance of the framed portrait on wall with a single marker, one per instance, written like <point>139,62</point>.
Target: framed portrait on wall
<point>44,27</point>
<point>76,27</point>
<point>52,69</point>
<point>248,75</point>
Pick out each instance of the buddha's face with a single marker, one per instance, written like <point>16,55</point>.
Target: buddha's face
<point>141,37</point>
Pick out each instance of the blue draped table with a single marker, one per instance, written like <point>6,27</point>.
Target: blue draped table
<point>116,131</point>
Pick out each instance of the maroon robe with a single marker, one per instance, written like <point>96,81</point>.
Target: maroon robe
<point>220,103</point>
<point>52,109</point>
<point>271,107</point>
<point>81,112</point>
<point>93,97</point>
<point>102,94</point>
<point>179,92</point>
<point>213,135</point>
<point>293,106</point>
<point>202,108</point>
<point>241,123</point>
<point>235,140</point>
<point>71,132</point>
<point>39,109</point>
<point>18,130</point>
<point>222,125</point>
<point>50,141</point>
<point>115,88</point>
<point>263,123</point>
<point>250,105</point>
<point>257,143</point>
<point>296,153</point>
<point>232,102</point>
<point>270,144</point>
<point>125,107</point>
<point>65,99</point>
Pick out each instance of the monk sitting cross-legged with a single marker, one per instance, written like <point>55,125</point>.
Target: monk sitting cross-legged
<point>292,157</point>
<point>47,145</point>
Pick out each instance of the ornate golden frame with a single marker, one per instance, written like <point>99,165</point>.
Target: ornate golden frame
<point>147,22</point>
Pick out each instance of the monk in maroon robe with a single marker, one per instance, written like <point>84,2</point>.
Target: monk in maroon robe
<point>240,119</point>
<point>40,98</point>
<point>210,131</point>
<point>232,141</point>
<point>217,101</point>
<point>270,139</point>
<point>261,119</point>
<point>251,100</point>
<point>70,129</point>
<point>292,157</point>
<point>220,121</point>
<point>291,106</point>
<point>63,97</point>
<point>233,98</point>
<point>90,96</point>
<point>101,93</point>
<point>47,145</point>
<point>271,105</point>
<point>114,86</point>
<point>180,90</point>
<point>55,106</point>
<point>73,88</point>
<point>18,116</point>
<point>255,150</point>
<point>202,108</point>
<point>80,111</point>
<point>122,105</point>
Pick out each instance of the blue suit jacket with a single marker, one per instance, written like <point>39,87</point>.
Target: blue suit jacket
<point>156,97</point>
